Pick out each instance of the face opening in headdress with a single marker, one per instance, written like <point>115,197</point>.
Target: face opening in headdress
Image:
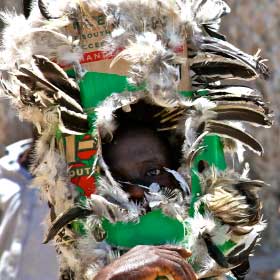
<point>145,150</point>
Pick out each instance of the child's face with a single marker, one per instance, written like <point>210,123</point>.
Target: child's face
<point>139,156</point>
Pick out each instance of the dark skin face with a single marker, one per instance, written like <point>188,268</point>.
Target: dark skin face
<point>139,156</point>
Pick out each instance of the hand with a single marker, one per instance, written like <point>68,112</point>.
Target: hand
<point>148,263</point>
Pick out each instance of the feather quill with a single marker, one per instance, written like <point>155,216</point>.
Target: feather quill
<point>57,76</point>
<point>222,48</point>
<point>241,113</point>
<point>225,130</point>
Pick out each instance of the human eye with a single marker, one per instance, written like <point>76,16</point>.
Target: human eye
<point>153,172</point>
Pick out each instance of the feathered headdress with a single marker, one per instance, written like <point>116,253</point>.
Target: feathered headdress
<point>76,69</point>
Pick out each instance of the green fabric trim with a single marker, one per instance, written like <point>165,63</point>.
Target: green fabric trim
<point>227,246</point>
<point>154,228</point>
<point>95,87</point>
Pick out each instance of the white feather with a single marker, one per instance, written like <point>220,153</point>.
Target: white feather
<point>182,182</point>
<point>105,120</point>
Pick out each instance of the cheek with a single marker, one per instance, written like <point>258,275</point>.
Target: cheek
<point>136,193</point>
<point>125,172</point>
<point>165,180</point>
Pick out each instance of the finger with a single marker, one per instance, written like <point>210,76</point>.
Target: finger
<point>175,257</point>
<point>138,251</point>
<point>161,267</point>
<point>189,271</point>
<point>139,248</point>
<point>176,248</point>
<point>184,253</point>
<point>168,252</point>
<point>172,268</point>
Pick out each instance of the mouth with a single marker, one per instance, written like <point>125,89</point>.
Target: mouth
<point>154,195</point>
<point>137,190</point>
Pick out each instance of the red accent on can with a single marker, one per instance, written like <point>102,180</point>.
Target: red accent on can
<point>85,155</point>
<point>87,183</point>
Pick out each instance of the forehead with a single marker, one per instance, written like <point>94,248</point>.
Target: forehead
<point>134,152</point>
<point>138,145</point>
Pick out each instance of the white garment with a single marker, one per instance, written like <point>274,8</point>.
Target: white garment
<point>22,254</point>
